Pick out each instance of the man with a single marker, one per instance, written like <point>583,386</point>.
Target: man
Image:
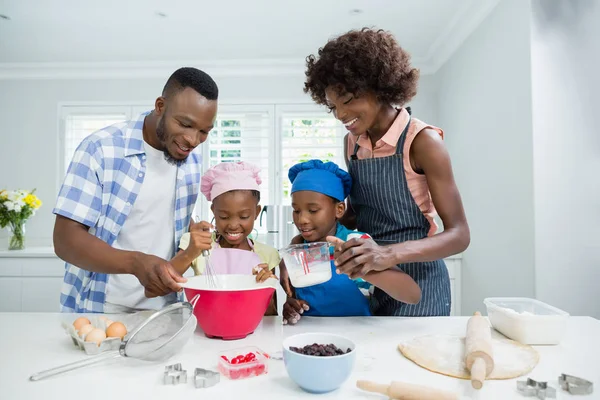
<point>128,197</point>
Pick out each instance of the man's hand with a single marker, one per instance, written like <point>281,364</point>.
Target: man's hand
<point>158,276</point>
<point>293,309</point>
<point>263,272</point>
<point>200,237</point>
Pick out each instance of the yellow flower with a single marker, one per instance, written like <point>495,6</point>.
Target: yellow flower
<point>32,201</point>
<point>3,195</point>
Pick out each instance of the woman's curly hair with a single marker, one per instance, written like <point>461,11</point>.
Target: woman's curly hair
<point>362,61</point>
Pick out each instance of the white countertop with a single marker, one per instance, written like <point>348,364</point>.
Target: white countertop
<point>31,342</point>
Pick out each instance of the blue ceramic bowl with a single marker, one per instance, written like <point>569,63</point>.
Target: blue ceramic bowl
<point>318,374</point>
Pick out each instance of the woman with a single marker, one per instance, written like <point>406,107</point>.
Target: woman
<point>399,165</point>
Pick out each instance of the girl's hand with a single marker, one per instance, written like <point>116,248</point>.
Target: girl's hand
<point>200,236</point>
<point>357,257</point>
<point>263,272</point>
<point>293,309</point>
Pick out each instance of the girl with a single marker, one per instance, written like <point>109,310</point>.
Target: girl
<point>233,189</point>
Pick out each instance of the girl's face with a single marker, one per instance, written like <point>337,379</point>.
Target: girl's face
<point>358,113</point>
<point>315,214</point>
<point>235,213</point>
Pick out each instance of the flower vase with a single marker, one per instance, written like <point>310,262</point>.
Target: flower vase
<point>16,239</point>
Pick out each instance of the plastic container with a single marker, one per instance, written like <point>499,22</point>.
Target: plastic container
<point>232,310</point>
<point>255,365</point>
<point>527,321</point>
<point>308,264</point>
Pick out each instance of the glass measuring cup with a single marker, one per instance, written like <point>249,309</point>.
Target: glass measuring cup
<point>308,264</point>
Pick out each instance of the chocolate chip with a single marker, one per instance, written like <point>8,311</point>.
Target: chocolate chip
<point>320,350</point>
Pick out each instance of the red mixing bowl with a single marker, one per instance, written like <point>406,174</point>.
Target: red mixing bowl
<point>234,308</point>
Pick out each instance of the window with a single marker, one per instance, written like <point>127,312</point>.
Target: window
<point>304,135</point>
<point>273,136</point>
<point>78,127</point>
<point>241,133</point>
<point>78,122</point>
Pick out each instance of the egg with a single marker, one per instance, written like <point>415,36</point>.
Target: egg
<point>85,329</point>
<point>96,335</point>
<point>116,329</point>
<point>106,321</point>
<point>79,322</point>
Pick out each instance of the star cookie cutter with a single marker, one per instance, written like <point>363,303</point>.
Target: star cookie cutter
<point>174,375</point>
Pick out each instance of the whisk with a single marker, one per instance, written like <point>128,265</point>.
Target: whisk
<point>209,272</point>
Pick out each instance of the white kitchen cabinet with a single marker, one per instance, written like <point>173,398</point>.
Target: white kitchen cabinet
<point>41,294</point>
<point>453,265</point>
<point>10,293</point>
<point>30,280</point>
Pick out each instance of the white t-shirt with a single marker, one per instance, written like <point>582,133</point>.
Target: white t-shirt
<point>149,228</point>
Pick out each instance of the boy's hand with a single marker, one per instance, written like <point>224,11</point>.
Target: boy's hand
<point>200,236</point>
<point>263,272</point>
<point>293,309</point>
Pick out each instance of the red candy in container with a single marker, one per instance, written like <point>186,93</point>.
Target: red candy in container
<point>243,363</point>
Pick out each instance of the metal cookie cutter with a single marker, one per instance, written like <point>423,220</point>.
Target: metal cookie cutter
<point>174,375</point>
<point>204,378</point>
<point>575,385</point>
<point>531,388</point>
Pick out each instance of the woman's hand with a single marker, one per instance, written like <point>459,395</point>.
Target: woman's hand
<point>357,257</point>
<point>293,310</point>
<point>263,272</point>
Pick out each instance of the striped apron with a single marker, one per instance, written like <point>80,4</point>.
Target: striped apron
<point>385,209</point>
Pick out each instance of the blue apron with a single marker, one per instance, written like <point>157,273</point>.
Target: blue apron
<point>338,297</point>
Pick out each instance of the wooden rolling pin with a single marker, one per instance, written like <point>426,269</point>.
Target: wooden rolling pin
<point>478,350</point>
<point>406,391</point>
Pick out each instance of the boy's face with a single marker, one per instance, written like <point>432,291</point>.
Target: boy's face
<point>316,214</point>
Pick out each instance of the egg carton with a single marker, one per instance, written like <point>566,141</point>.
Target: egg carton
<point>99,321</point>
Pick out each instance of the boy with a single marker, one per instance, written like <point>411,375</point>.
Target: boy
<point>318,193</point>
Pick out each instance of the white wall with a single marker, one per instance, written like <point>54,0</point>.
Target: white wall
<point>485,108</point>
<point>566,117</point>
<point>29,128</point>
<point>424,105</point>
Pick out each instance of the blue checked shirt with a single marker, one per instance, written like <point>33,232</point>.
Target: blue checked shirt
<point>99,190</point>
